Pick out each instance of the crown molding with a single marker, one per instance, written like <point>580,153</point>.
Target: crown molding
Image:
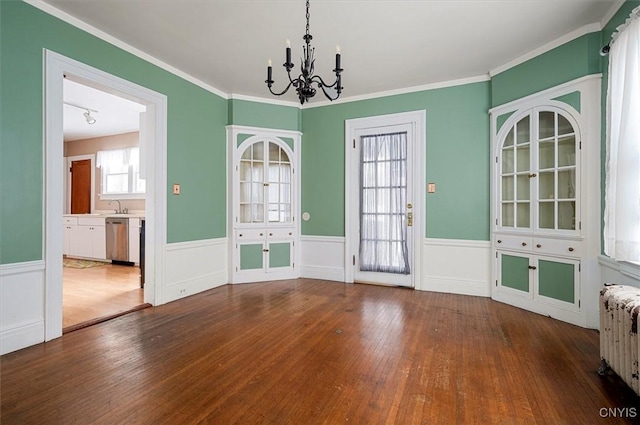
<point>406,90</point>
<point>273,101</point>
<point>71,20</point>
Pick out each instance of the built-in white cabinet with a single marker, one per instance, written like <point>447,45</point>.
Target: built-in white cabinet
<point>545,201</point>
<point>84,237</point>
<point>263,204</point>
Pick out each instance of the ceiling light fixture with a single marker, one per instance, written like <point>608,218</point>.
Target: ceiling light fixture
<point>306,79</point>
<point>87,114</point>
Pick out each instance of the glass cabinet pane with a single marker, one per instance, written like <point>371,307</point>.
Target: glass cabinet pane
<point>567,215</point>
<point>547,185</point>
<point>546,215</point>
<point>523,155</point>
<point>564,126</point>
<point>523,131</point>
<point>524,187</point>
<point>507,188</point>
<point>507,214</point>
<point>547,154</point>
<point>524,215</point>
<point>546,124</point>
<point>566,184</point>
<point>567,151</point>
<point>508,141</point>
<point>507,160</point>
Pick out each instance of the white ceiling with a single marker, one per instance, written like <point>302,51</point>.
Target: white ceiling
<point>113,114</point>
<point>386,44</point>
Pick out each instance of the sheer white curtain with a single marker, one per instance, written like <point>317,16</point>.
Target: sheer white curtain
<point>383,200</point>
<point>622,195</point>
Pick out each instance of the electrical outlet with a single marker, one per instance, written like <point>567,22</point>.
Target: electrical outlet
<point>176,189</point>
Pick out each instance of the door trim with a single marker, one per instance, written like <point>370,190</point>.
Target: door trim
<point>417,121</point>
<point>56,67</point>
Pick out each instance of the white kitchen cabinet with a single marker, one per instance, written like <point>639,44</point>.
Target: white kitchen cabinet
<point>85,237</point>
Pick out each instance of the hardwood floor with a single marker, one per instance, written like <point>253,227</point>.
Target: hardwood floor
<point>317,352</point>
<point>93,293</point>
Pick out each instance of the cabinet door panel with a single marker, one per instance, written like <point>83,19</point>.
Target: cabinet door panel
<point>279,254</point>
<point>514,272</point>
<point>557,280</point>
<point>251,256</point>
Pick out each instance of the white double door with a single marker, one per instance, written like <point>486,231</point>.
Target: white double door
<point>380,201</point>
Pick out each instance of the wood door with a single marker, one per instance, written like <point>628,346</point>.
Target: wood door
<point>81,186</point>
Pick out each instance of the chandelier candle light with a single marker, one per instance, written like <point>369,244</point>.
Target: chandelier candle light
<point>304,82</point>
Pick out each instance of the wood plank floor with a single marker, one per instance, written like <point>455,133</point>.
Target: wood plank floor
<point>316,352</point>
<point>96,292</point>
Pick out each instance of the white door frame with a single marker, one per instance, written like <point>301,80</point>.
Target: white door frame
<point>417,121</point>
<point>56,67</point>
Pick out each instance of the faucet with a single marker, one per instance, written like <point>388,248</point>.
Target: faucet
<point>119,210</point>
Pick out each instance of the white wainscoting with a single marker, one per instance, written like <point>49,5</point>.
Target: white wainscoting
<point>322,257</point>
<point>456,266</point>
<point>193,267</point>
<point>21,305</point>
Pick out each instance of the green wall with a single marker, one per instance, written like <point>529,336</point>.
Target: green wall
<point>196,131</point>
<point>457,159</point>
<point>257,114</point>
<point>567,62</point>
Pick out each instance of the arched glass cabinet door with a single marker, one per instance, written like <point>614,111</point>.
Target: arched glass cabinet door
<point>538,178</point>
<point>265,184</point>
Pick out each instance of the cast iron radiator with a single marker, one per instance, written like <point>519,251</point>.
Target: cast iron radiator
<point>619,309</point>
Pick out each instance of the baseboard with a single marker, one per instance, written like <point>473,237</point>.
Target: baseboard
<point>184,288</point>
<point>21,336</point>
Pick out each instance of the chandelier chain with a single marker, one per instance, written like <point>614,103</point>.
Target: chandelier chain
<point>308,17</point>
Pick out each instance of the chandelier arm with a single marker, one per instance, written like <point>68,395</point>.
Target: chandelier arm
<point>327,95</point>
<point>320,82</point>
<point>286,89</point>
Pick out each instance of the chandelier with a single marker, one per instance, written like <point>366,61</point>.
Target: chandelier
<point>305,81</point>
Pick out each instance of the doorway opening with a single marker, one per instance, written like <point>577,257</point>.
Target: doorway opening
<point>384,177</point>
<point>57,69</point>
<point>102,147</point>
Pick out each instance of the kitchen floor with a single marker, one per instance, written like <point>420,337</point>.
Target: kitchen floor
<point>95,292</point>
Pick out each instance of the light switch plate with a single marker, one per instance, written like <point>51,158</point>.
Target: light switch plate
<point>431,187</point>
<point>176,189</point>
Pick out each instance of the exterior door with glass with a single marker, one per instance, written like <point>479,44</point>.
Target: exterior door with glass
<point>383,217</point>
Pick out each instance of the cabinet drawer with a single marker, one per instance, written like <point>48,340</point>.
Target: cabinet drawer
<point>70,220</point>
<point>91,221</point>
<point>557,247</point>
<point>280,233</point>
<point>513,242</point>
<point>250,233</point>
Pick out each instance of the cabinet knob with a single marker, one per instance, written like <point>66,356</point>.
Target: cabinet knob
<point>570,249</point>
<point>524,244</point>
<point>538,246</point>
<point>289,233</point>
<point>261,234</point>
<point>270,234</point>
<point>499,241</point>
<point>240,235</point>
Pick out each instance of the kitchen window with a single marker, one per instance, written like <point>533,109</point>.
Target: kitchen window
<point>120,173</point>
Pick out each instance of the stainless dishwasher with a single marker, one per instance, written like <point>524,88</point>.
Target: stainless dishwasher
<point>117,229</point>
